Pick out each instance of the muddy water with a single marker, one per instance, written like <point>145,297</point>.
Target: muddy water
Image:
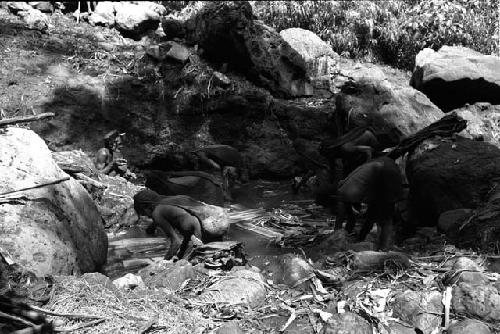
<point>133,249</point>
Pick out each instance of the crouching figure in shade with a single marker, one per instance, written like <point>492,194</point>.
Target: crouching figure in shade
<point>379,183</point>
<point>181,218</point>
<point>109,159</point>
<point>228,161</point>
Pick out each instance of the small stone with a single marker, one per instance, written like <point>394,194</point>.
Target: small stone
<point>129,281</point>
<point>229,328</point>
<point>470,272</point>
<point>420,309</point>
<point>168,275</point>
<point>347,323</point>
<point>468,326</point>
<point>242,287</point>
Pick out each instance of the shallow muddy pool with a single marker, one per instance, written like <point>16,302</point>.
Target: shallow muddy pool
<point>133,249</point>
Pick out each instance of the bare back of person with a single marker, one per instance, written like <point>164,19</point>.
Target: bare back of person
<point>179,225</point>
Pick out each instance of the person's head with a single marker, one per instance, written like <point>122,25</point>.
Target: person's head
<point>102,156</point>
<point>113,140</point>
<point>145,202</point>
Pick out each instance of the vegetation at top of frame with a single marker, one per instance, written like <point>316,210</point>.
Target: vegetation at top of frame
<point>391,32</point>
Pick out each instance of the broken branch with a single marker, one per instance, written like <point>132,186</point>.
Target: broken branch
<point>37,186</point>
<point>23,119</point>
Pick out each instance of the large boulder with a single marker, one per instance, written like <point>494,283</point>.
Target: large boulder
<point>455,75</point>
<point>483,122</point>
<point>369,99</point>
<point>321,61</point>
<point>228,33</point>
<point>447,174</point>
<point>53,229</point>
<point>135,18</point>
<point>132,18</point>
<point>104,14</point>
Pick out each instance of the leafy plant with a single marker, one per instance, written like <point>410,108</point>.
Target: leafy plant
<point>391,32</point>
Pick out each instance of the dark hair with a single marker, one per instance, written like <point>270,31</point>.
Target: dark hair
<point>145,198</point>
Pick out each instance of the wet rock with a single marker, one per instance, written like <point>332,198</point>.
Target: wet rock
<point>468,326</point>
<point>229,328</point>
<point>446,174</point>
<point>198,185</point>
<point>483,122</point>
<point>372,260</point>
<point>164,274</point>
<point>470,271</point>
<point>455,75</point>
<point>104,14</point>
<point>228,33</point>
<point>476,301</point>
<point>450,219</point>
<point>393,111</point>
<point>347,323</point>
<point>130,282</point>
<point>171,50</point>
<point>420,309</point>
<point>241,287</point>
<point>321,61</point>
<point>134,19</point>
<point>61,230</point>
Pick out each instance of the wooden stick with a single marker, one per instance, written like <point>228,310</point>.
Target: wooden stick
<point>22,119</point>
<point>67,315</point>
<point>292,317</point>
<point>74,328</point>
<point>30,330</point>
<point>18,319</point>
<point>37,186</point>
